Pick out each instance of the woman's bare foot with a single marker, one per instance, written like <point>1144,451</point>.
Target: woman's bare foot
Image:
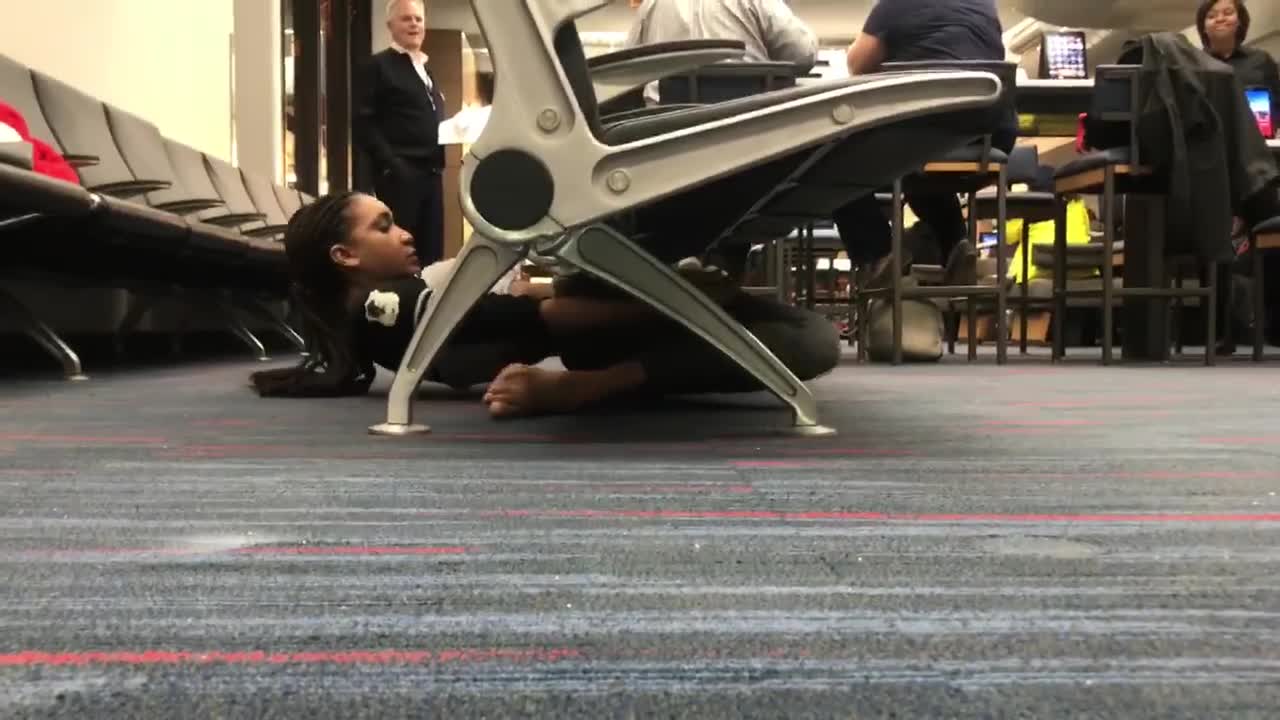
<point>521,390</point>
<point>525,390</point>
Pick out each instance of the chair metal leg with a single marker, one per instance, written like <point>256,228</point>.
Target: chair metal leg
<point>1108,248</point>
<point>1211,313</point>
<point>1259,305</point>
<point>278,323</point>
<point>1002,287</point>
<point>236,324</point>
<point>1178,304</point>
<point>606,254</point>
<point>480,264</point>
<point>250,340</point>
<point>895,265</point>
<point>1059,279</point>
<point>1024,291</point>
<point>971,313</point>
<point>34,328</point>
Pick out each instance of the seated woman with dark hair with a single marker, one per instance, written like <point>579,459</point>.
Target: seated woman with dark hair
<point>1223,26</point>
<point>359,291</point>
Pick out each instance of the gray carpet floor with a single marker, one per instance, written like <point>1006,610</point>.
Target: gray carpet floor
<point>1025,541</point>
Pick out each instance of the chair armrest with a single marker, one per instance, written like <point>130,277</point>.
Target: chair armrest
<point>616,73</point>
<point>79,161</point>
<point>644,112</point>
<point>593,181</point>
<point>265,231</point>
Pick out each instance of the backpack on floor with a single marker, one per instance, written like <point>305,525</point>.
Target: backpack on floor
<point>922,331</point>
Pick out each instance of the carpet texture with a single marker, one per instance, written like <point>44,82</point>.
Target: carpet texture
<point>1026,541</point>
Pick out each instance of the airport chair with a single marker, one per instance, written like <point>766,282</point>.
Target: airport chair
<point>962,170</point>
<point>1030,206</point>
<point>1265,237</point>
<point>1109,173</point>
<point>17,88</point>
<point>80,123</point>
<point>548,177</point>
<point>143,149</point>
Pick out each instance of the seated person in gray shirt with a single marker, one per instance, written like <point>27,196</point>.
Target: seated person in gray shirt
<point>768,28</point>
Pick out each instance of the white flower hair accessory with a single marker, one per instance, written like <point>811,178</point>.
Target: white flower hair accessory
<point>382,307</point>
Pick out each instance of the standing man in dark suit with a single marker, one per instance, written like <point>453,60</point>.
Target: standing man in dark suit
<point>398,112</point>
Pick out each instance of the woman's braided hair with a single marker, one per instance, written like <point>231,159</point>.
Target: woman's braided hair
<point>334,365</point>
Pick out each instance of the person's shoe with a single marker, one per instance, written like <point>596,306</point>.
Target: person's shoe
<point>962,265</point>
<point>880,274</point>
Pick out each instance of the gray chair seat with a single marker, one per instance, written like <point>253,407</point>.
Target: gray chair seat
<point>1079,256</point>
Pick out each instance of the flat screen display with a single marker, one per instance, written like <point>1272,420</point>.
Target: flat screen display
<point>1063,56</point>
<point>1260,104</point>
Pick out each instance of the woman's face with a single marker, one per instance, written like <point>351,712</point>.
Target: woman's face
<point>376,248</point>
<point>1222,21</point>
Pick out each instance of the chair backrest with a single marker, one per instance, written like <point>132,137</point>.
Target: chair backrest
<point>230,186</point>
<point>189,168</point>
<point>80,124</point>
<point>142,148</point>
<point>573,61</point>
<point>17,88</point>
<point>1024,161</point>
<point>290,200</point>
<point>726,81</point>
<point>1114,108</point>
<point>264,198</point>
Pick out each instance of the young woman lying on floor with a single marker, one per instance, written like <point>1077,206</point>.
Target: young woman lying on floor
<point>359,290</point>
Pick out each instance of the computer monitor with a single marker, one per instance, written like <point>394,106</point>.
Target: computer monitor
<point>1260,103</point>
<point>1063,56</point>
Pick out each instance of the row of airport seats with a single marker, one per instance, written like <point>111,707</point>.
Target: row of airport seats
<point>150,215</point>
<point>625,199</point>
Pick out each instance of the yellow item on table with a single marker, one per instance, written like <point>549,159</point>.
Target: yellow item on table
<point>1042,235</point>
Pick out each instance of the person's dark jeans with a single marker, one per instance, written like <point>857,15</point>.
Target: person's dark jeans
<point>866,233</point>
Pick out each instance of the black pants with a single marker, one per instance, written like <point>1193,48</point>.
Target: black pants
<point>674,359</point>
<point>867,236</point>
<point>415,194</point>
<point>865,230</point>
<point>678,362</point>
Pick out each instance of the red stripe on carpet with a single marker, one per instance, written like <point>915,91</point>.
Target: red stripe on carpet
<point>897,517</point>
<point>36,658</point>
<point>84,439</point>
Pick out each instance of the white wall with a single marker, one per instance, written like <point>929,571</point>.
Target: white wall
<point>166,60</point>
